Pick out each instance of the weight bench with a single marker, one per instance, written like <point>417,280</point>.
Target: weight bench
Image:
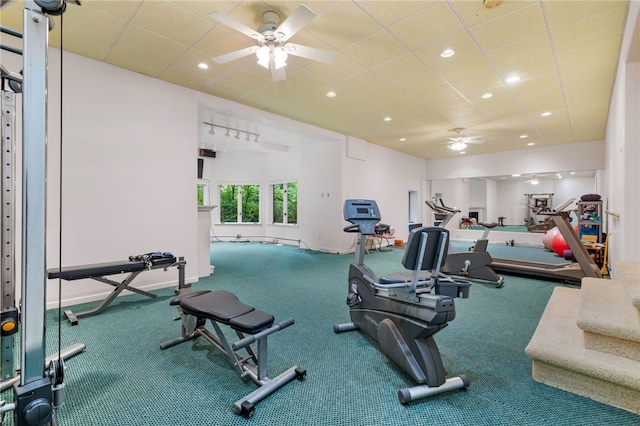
<point>251,325</point>
<point>99,271</point>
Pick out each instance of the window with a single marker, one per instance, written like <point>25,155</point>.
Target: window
<point>239,203</point>
<point>203,192</point>
<point>285,202</point>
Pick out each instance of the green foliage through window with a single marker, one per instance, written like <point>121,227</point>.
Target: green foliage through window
<point>239,203</point>
<point>285,202</point>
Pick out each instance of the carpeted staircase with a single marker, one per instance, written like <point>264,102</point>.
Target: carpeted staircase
<point>588,340</point>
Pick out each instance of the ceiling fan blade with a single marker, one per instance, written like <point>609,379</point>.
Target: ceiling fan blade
<point>294,23</point>
<point>310,53</point>
<point>232,56</point>
<point>236,25</point>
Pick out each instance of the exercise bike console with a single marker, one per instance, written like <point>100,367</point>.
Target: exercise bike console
<point>402,315</point>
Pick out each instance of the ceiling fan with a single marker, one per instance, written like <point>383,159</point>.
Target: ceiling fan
<point>272,49</point>
<point>460,142</point>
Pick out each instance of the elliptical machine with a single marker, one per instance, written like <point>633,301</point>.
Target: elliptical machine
<point>403,315</point>
<point>473,264</point>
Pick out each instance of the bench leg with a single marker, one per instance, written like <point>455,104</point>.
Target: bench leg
<point>246,405</point>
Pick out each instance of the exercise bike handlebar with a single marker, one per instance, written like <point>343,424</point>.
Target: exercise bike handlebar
<point>255,337</point>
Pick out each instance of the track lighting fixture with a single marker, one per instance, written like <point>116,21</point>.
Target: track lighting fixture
<point>239,132</point>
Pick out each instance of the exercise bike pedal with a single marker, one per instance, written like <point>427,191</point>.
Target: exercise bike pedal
<point>353,299</point>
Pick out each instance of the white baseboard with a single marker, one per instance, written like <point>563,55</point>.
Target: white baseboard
<point>53,304</point>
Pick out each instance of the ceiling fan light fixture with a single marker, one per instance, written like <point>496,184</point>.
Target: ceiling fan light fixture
<point>458,146</point>
<point>263,54</point>
<point>280,57</point>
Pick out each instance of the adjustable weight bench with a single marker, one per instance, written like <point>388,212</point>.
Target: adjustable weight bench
<point>251,325</point>
<point>134,267</point>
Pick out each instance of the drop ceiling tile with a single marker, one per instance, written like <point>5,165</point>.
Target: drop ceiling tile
<point>422,82</point>
<point>520,51</point>
<point>426,26</point>
<point>139,41</point>
<point>170,21</point>
<point>461,42</point>
<point>400,68</point>
<point>220,90</point>
<point>332,25</point>
<point>120,9</point>
<point>86,46</point>
<point>342,67</point>
<point>605,25</point>
<point>561,13</point>
<point>601,51</point>
<point>474,65</point>
<point>183,78</point>
<point>245,81</point>
<point>11,16</point>
<point>528,70</point>
<point>221,40</point>
<point>361,82</point>
<point>134,62</point>
<point>521,23</point>
<point>93,23</point>
<point>375,49</point>
<point>204,8</point>
<point>475,86</point>
<point>388,12</point>
<point>383,94</point>
<point>190,60</point>
<point>474,12</point>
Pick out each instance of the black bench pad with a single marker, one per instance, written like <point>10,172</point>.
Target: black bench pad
<point>70,273</point>
<point>223,306</point>
<point>185,294</point>
<point>253,322</point>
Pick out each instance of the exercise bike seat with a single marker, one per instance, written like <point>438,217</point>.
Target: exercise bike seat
<point>224,307</point>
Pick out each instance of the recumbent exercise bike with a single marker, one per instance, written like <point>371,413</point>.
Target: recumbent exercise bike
<point>403,315</point>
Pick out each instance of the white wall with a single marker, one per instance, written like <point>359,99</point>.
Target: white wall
<point>386,176</point>
<point>623,149</point>
<point>128,173</point>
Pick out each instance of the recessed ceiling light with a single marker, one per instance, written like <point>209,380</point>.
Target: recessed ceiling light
<point>524,136</point>
<point>203,66</point>
<point>447,53</point>
<point>331,94</point>
<point>515,175</point>
<point>513,79</point>
<point>487,96</point>
<point>387,119</point>
<point>572,173</point>
<point>531,144</point>
<point>403,139</point>
<point>545,114</point>
<point>462,152</point>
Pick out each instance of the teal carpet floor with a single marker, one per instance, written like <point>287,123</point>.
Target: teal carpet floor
<point>124,379</point>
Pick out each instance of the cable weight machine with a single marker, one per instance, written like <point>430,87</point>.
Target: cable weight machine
<point>39,388</point>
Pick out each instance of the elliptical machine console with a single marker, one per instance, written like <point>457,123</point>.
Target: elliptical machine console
<point>403,313</point>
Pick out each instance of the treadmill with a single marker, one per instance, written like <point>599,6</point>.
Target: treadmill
<point>570,273</point>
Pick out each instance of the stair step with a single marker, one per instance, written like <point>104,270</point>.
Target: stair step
<point>629,274</point>
<point>610,322</point>
<point>561,360</point>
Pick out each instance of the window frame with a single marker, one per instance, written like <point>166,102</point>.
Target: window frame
<point>240,214</point>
